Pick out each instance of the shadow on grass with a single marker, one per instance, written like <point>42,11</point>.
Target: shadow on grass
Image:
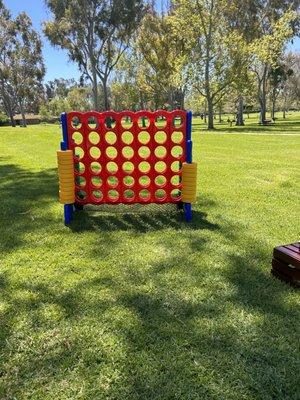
<point>179,341</point>
<point>140,222</point>
<point>25,198</point>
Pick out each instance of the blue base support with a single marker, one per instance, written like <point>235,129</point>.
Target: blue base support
<point>187,211</point>
<point>68,213</point>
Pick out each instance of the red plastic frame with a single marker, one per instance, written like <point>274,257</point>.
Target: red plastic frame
<point>90,189</point>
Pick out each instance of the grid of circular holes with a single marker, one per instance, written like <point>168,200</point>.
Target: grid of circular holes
<point>177,121</point>
<point>113,195</point>
<point>81,194</point>
<point>128,181</point>
<point>76,123</point>
<point>110,138</point>
<point>94,137</point>
<point>96,167</point>
<point>127,137</point>
<point>112,167</point>
<point>144,152</point>
<point>177,137</point>
<point>160,167</point>
<point>144,181</point>
<point>95,152</point>
<point>96,181</point>
<point>160,137</point>
<point>160,121</point>
<point>176,194</point>
<point>160,194</point>
<point>129,194</point>
<point>175,180</point>
<point>112,181</point>
<point>127,152</point>
<point>79,167</point>
<point>144,167</point>
<point>160,180</point>
<point>80,181</point>
<point>177,151</point>
<point>97,194</point>
<point>111,152</point>
<point>128,167</point>
<point>126,122</point>
<point>110,122</point>
<point>79,153</point>
<point>144,137</point>
<point>143,122</point>
<point>77,137</point>
<point>92,122</point>
<point>175,166</point>
<point>144,194</point>
<point>160,152</point>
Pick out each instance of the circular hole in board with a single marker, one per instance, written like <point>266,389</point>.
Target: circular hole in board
<point>128,181</point>
<point>96,167</point>
<point>96,181</point>
<point>112,181</point>
<point>144,181</point>
<point>144,137</point>
<point>126,122</point>
<point>77,137</point>
<point>76,123</point>
<point>94,137</point>
<point>160,180</point>
<point>112,167</point>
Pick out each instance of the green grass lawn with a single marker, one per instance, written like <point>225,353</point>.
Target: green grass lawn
<point>142,305</point>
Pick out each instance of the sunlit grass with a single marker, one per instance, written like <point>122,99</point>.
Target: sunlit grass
<point>137,304</point>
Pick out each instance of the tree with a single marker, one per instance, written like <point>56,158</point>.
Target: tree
<point>59,87</point>
<point>95,33</point>
<point>277,24</point>
<point>27,65</point>
<point>21,63</point>
<point>277,78</point>
<point>164,52</point>
<point>214,44</point>
<point>7,33</point>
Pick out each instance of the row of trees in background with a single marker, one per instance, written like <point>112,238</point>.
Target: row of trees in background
<point>207,55</point>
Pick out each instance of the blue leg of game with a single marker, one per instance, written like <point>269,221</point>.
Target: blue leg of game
<point>68,213</point>
<point>188,212</point>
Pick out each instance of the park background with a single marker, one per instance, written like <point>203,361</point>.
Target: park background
<point>133,303</point>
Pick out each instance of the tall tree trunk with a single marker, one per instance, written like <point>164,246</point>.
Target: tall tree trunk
<point>284,113</point>
<point>263,111</point>
<point>12,121</point>
<point>205,111</point>
<point>8,106</point>
<point>209,98</point>
<point>263,96</point>
<point>273,104</point>
<point>240,112</point>
<point>24,122</point>
<point>105,94</point>
<point>95,90</point>
<point>182,98</point>
<point>210,109</point>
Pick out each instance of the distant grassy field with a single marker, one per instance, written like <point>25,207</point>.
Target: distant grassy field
<point>142,305</point>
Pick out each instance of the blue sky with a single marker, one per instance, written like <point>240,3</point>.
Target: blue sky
<point>56,60</point>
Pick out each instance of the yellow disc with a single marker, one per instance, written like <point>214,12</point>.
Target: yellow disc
<point>67,187</point>
<point>66,175</point>
<point>64,153</point>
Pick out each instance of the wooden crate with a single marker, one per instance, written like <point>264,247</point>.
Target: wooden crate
<point>286,263</point>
